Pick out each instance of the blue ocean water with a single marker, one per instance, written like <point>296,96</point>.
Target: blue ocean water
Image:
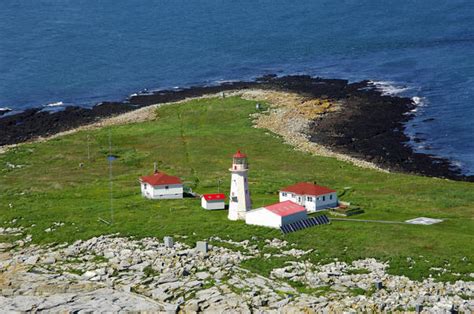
<point>86,51</point>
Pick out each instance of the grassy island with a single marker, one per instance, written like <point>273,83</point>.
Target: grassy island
<point>42,183</point>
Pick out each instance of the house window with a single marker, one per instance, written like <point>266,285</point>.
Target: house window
<point>309,199</point>
<point>330,197</point>
<point>167,187</point>
<point>283,194</point>
<point>145,186</point>
<point>324,198</point>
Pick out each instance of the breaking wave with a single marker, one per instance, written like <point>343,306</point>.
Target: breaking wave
<point>55,104</point>
<point>388,88</point>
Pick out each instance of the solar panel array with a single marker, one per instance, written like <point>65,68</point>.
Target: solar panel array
<point>303,224</point>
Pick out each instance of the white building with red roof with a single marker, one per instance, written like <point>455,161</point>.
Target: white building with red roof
<point>276,215</point>
<point>313,197</point>
<point>213,201</point>
<point>159,185</point>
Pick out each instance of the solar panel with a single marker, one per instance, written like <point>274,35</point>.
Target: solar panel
<point>296,226</point>
<point>303,224</point>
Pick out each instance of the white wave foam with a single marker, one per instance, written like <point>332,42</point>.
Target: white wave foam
<point>419,101</point>
<point>388,88</point>
<point>5,109</point>
<point>55,104</point>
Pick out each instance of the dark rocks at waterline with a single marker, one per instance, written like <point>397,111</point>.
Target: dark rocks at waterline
<point>33,123</point>
<point>370,126</point>
<point>4,111</point>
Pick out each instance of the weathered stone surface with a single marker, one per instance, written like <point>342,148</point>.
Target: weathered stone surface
<point>119,274</point>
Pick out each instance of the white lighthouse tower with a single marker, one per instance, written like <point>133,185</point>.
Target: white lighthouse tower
<point>239,199</point>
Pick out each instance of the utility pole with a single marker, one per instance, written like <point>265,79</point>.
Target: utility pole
<point>110,159</point>
<point>219,185</point>
<point>88,148</point>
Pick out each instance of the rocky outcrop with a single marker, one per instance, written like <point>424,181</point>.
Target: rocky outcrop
<point>113,273</point>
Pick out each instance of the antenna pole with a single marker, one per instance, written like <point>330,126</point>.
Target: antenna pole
<point>88,148</point>
<point>110,179</point>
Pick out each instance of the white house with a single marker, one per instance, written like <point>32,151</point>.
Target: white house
<point>276,215</point>
<point>239,198</point>
<point>213,201</point>
<point>313,197</point>
<point>161,186</point>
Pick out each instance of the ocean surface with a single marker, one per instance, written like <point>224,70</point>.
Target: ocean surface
<point>63,52</point>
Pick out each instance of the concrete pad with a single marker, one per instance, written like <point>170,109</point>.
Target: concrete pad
<point>424,221</point>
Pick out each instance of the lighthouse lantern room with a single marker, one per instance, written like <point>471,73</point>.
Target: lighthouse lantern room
<point>239,197</point>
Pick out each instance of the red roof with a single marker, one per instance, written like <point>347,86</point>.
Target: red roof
<point>285,208</point>
<point>160,178</point>
<point>304,188</point>
<point>239,155</point>
<point>214,197</point>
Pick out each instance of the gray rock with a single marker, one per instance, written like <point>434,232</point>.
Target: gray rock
<point>191,307</point>
<point>202,275</point>
<point>32,260</point>
<point>202,246</point>
<point>194,284</point>
<point>168,241</point>
<point>219,275</point>
<point>49,260</point>
<point>89,274</point>
<point>5,247</point>
<point>160,294</point>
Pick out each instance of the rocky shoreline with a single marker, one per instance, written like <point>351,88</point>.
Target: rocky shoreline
<point>114,273</point>
<point>369,126</point>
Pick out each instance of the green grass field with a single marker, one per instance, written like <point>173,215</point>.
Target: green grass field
<point>195,141</point>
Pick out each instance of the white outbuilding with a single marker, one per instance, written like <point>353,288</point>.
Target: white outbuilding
<point>161,186</point>
<point>313,197</point>
<point>213,201</point>
<point>276,215</point>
